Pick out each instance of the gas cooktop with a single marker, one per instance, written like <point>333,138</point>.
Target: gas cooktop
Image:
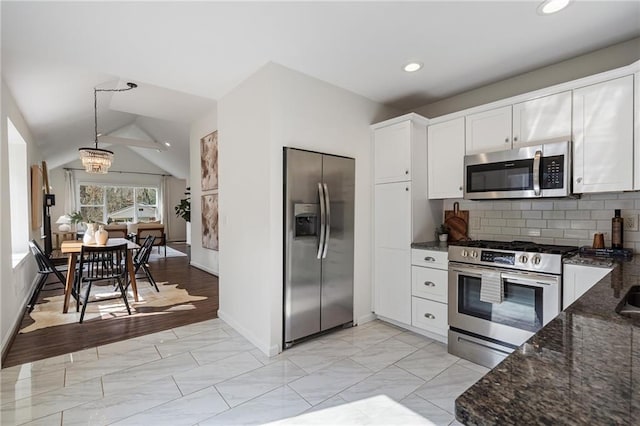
<point>519,246</point>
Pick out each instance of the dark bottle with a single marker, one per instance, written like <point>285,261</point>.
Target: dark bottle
<point>617,225</point>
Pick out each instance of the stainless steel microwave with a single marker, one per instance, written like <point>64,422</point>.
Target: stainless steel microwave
<point>528,172</point>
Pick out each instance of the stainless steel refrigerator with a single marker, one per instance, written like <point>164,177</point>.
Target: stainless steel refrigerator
<point>318,242</point>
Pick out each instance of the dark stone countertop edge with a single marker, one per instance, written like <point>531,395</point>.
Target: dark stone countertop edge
<point>431,245</point>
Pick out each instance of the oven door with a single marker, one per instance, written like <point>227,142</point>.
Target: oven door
<point>529,301</point>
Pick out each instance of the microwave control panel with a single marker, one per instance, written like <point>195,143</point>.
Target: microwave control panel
<point>552,172</point>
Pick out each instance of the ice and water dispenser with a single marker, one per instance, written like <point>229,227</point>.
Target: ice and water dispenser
<point>306,220</point>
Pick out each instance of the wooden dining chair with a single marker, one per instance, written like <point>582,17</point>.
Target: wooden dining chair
<point>102,264</point>
<point>45,269</point>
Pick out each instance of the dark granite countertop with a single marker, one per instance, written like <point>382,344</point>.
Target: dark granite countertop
<point>582,368</point>
<point>431,245</point>
<point>599,262</point>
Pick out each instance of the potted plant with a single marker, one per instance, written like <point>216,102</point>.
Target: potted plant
<point>443,232</point>
<point>183,210</point>
<point>75,218</point>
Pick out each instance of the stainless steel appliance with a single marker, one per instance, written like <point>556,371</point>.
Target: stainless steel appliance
<point>528,172</point>
<point>318,243</point>
<point>500,294</point>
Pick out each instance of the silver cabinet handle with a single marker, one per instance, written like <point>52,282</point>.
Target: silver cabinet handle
<point>328,220</point>
<point>322,221</point>
<point>506,140</point>
<point>579,180</point>
<point>406,172</point>
<point>429,284</point>
<point>429,259</point>
<point>460,188</point>
<point>429,316</point>
<point>515,139</point>
<point>407,188</point>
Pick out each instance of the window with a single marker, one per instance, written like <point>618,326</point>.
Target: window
<point>107,204</point>
<point>18,191</point>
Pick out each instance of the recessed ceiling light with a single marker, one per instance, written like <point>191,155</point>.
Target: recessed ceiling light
<point>412,66</point>
<point>548,7</point>
<point>167,144</point>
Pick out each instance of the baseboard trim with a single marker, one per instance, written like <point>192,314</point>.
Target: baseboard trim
<point>264,347</point>
<point>16,327</point>
<point>204,268</point>
<point>366,318</point>
<point>430,335</point>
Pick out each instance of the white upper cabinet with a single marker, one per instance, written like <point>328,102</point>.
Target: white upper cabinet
<point>392,145</point>
<point>636,171</point>
<point>542,119</point>
<point>445,154</point>
<point>603,136</point>
<point>488,131</point>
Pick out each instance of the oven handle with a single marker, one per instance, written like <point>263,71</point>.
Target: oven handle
<point>535,281</point>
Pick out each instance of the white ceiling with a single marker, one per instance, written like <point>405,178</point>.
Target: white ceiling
<point>185,56</point>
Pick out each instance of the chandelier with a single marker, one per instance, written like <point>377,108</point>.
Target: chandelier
<point>96,160</point>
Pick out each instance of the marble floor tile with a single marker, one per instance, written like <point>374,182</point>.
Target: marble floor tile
<point>136,343</point>
<point>125,379</point>
<point>184,411</point>
<point>448,385</point>
<point>429,361</point>
<point>281,403</point>
<point>435,414</point>
<point>87,370</point>
<point>472,366</point>
<point>216,372</point>
<point>413,339</point>
<point>217,351</point>
<point>393,382</point>
<point>112,408</point>
<point>48,365</point>
<point>51,420</point>
<point>194,341</point>
<point>316,357</point>
<point>27,409</point>
<point>378,410</point>
<point>259,381</point>
<point>371,335</point>
<point>198,327</point>
<point>24,388</point>
<point>384,354</point>
<point>328,403</point>
<point>329,381</point>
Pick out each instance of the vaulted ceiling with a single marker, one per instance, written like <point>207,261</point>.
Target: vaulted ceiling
<point>185,56</point>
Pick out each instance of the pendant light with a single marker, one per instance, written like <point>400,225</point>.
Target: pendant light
<point>96,160</point>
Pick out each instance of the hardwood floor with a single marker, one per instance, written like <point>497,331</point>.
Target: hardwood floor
<point>58,340</point>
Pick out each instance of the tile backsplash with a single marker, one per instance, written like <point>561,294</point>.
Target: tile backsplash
<point>552,221</point>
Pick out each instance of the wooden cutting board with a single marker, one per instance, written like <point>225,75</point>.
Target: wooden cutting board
<point>457,221</point>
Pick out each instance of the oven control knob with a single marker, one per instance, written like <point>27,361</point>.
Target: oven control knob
<point>464,253</point>
<point>523,259</point>
<point>474,254</point>
<point>536,259</point>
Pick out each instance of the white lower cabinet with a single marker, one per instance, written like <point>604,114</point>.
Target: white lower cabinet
<point>577,279</point>
<point>429,277</point>
<point>393,284</point>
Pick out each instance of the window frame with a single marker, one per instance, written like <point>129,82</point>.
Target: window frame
<point>105,185</point>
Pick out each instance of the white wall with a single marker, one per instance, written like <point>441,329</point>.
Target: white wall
<point>279,107</point>
<point>201,257</point>
<point>595,62</point>
<point>176,227</point>
<point>15,283</point>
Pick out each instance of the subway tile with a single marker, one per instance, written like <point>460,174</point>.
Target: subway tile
<point>497,222</point>
<point>552,233</point>
<point>542,205</point>
<point>482,205</point>
<point>565,205</point>
<point>567,241</point>
<point>543,240</point>
<point>629,196</point>
<point>603,225</point>
<point>530,232</point>
<point>516,223</point>
<point>493,214</point>
<point>583,224</point>
<point>474,223</point>
<point>576,233</point>
<point>578,214</point>
<point>502,205</point>
<point>603,196</point>
<point>521,205</point>
<point>512,214</point>
<point>631,236</point>
<point>553,214</point>
<point>601,214</point>
<point>491,229</point>
<point>510,231</point>
<point>558,224</point>
<point>590,205</point>
<point>536,223</point>
<point>620,204</point>
<point>533,214</point>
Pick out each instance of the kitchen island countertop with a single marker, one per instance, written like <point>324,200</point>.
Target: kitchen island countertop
<point>583,367</point>
<point>431,245</point>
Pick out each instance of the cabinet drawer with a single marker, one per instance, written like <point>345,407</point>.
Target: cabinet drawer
<point>430,258</point>
<point>429,283</point>
<point>429,315</point>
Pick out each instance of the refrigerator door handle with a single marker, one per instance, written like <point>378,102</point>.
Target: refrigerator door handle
<point>327,221</point>
<point>321,240</point>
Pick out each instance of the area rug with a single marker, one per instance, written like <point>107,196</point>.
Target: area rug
<point>48,313</point>
<point>171,252</point>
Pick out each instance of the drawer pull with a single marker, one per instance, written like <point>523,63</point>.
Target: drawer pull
<point>429,316</point>
<point>429,259</point>
<point>429,284</point>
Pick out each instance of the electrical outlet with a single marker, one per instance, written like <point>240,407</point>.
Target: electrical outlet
<point>631,222</point>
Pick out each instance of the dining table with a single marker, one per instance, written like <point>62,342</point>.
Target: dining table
<point>73,248</point>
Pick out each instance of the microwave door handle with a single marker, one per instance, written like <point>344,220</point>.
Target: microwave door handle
<point>321,241</point>
<point>536,173</point>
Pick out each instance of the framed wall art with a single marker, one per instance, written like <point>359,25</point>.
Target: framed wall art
<point>209,161</point>
<point>210,221</point>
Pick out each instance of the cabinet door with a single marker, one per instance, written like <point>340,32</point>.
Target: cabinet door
<point>488,130</point>
<point>603,136</point>
<point>445,158</point>
<point>577,279</point>
<point>392,285</point>
<point>392,153</point>
<point>392,215</point>
<point>542,119</point>
<point>636,119</point>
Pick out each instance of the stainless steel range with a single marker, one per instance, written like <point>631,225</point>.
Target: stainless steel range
<point>500,294</point>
